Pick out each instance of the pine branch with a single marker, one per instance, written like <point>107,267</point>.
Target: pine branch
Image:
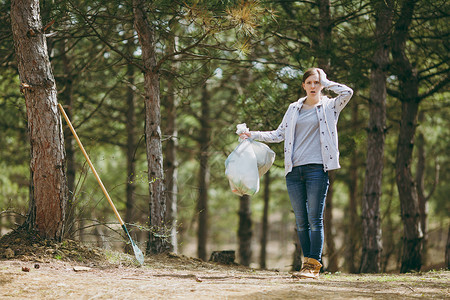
<point>435,183</point>
<point>100,37</point>
<point>437,87</point>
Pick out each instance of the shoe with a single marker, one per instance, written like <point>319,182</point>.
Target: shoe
<point>311,269</point>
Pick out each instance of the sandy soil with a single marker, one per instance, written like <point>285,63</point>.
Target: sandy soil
<point>172,277</point>
<point>35,268</point>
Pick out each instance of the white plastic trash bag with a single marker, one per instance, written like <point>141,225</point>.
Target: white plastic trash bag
<point>264,156</point>
<point>241,169</point>
<point>248,161</point>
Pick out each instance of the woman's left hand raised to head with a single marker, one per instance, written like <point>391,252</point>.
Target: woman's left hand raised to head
<point>323,78</point>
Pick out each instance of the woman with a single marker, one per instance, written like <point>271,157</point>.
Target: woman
<point>310,150</point>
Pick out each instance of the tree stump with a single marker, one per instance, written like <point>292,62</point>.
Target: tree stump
<point>226,257</point>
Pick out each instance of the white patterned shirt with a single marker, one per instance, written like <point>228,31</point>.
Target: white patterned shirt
<point>328,111</point>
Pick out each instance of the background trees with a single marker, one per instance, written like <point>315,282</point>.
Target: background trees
<point>213,65</point>
<point>410,76</point>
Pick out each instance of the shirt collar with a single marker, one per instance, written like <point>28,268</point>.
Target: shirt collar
<point>300,101</point>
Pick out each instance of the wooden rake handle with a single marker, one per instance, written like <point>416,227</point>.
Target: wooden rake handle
<point>90,164</point>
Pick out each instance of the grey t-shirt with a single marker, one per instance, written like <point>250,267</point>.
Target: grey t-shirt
<point>307,139</point>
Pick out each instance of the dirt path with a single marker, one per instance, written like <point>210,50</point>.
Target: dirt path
<point>183,278</point>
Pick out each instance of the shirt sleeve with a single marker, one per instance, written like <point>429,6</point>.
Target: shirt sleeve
<point>344,94</point>
<point>274,136</point>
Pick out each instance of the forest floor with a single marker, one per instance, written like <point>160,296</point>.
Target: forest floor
<point>31,268</point>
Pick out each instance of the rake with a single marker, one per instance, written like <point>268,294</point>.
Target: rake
<point>137,252</point>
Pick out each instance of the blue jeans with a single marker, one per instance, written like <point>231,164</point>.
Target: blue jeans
<point>307,186</point>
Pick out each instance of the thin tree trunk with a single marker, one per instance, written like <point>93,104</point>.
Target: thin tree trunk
<point>324,51</point>
<point>170,162</point>
<point>409,203</point>
<point>409,87</point>
<point>297,257</point>
<point>245,231</point>
<point>202,204</point>
<point>324,45</point>
<point>447,250</point>
<point>130,185</point>
<point>48,189</point>
<point>389,240</point>
<point>66,97</point>
<point>265,222</point>
<point>328,226</point>
<point>352,234</point>
<point>371,224</point>
<point>158,237</point>
<point>420,180</point>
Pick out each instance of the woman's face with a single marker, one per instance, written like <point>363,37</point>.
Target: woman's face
<point>312,85</point>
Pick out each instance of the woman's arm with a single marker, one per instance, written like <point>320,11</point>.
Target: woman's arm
<point>274,136</point>
<point>343,91</point>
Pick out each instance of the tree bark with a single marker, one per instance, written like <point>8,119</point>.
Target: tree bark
<point>245,231</point>
<point>447,250</point>
<point>48,188</point>
<point>66,97</point>
<point>409,203</point>
<point>323,50</point>
<point>131,147</point>
<point>323,47</point>
<point>265,222</point>
<point>352,234</point>
<point>297,257</point>
<point>202,204</point>
<point>371,220</point>
<point>170,162</point>
<point>332,265</point>
<point>409,87</point>
<point>159,241</point>
<point>420,180</point>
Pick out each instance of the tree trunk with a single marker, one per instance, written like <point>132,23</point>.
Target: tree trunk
<point>323,50</point>
<point>420,180</point>
<point>390,240</point>
<point>130,148</point>
<point>297,257</point>
<point>371,221</point>
<point>158,237</point>
<point>447,250</point>
<point>66,97</point>
<point>245,231</point>
<point>352,234</point>
<point>409,87</point>
<point>265,222</point>
<point>328,226</point>
<point>324,45</point>
<point>409,203</point>
<point>170,162</point>
<point>202,204</point>
<point>48,188</point>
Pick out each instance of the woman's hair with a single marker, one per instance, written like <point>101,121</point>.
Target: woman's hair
<point>309,72</point>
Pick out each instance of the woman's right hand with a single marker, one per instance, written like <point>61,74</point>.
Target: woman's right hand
<point>242,131</point>
<point>245,135</point>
